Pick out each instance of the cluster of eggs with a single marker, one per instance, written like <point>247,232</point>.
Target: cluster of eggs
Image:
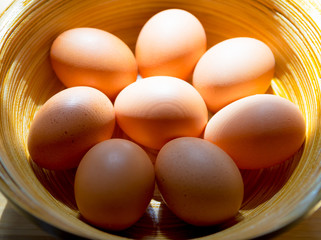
<point>204,112</point>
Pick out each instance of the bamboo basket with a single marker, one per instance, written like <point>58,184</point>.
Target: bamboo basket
<point>275,198</point>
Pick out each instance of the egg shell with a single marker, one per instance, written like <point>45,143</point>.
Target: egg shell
<point>258,131</point>
<point>68,125</point>
<point>155,110</point>
<point>114,184</point>
<point>170,44</point>
<point>95,58</point>
<point>198,181</point>
<point>232,69</point>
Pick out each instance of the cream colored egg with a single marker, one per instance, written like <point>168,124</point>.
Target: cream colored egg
<point>170,44</point>
<point>114,184</point>
<point>155,110</point>
<point>95,58</point>
<point>232,69</point>
<point>258,131</point>
<point>68,125</point>
<point>198,181</point>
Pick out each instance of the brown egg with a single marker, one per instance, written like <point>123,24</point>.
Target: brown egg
<point>258,131</point>
<point>170,44</point>
<point>233,69</point>
<point>154,110</point>
<point>198,181</point>
<point>68,125</point>
<point>114,184</point>
<point>95,58</point>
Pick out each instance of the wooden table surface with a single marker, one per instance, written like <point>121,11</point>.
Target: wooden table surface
<point>15,226</point>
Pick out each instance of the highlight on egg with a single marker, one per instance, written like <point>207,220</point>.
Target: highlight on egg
<point>93,57</point>
<point>198,181</point>
<point>258,131</point>
<point>67,125</point>
<point>170,44</point>
<point>233,69</point>
<point>155,110</point>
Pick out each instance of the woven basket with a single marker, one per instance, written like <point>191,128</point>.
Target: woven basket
<point>275,198</point>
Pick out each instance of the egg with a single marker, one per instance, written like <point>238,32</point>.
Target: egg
<point>68,125</point>
<point>95,58</point>
<point>170,44</point>
<point>198,181</point>
<point>232,69</point>
<point>155,110</point>
<point>258,131</point>
<point>114,184</point>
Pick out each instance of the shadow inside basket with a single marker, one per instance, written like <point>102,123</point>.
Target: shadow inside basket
<point>259,185</point>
